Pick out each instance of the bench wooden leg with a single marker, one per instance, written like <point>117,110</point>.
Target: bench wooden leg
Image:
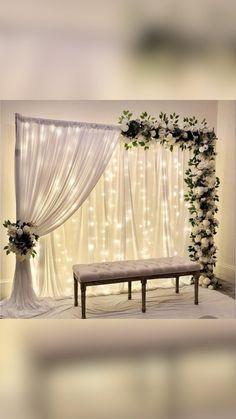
<point>143,281</point>
<point>75,292</point>
<point>196,280</point>
<point>177,284</point>
<point>129,290</point>
<point>83,300</point>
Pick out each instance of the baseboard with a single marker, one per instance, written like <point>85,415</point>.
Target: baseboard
<point>224,271</point>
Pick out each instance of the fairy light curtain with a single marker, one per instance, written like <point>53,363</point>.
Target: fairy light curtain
<point>57,164</point>
<point>136,210</point>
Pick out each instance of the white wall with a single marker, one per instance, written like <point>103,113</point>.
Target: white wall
<point>108,112</point>
<point>225,166</point>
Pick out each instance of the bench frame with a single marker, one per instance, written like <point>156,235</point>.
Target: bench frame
<point>143,279</point>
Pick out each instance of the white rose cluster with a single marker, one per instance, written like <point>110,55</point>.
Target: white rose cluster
<point>22,239</point>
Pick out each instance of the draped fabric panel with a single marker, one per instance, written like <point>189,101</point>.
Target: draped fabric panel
<point>136,210</point>
<point>57,164</point>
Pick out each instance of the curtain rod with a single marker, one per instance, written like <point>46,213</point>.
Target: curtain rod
<point>56,122</point>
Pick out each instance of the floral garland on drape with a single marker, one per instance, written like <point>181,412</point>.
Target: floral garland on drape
<point>200,177</point>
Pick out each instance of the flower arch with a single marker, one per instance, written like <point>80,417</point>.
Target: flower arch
<point>200,177</point>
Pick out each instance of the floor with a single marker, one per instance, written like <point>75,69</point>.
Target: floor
<point>161,304</point>
<point>227,288</point>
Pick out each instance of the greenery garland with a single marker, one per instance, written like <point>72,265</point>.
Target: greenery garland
<point>200,177</point>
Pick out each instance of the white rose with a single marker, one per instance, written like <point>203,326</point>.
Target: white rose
<point>195,230</point>
<point>210,287</point>
<point>208,232</point>
<point>204,242</point>
<point>12,231</point>
<point>169,137</point>
<point>201,149</point>
<point>209,214</point>
<point>170,126</point>
<point>124,127</point>
<point>206,281</point>
<point>162,133</point>
<point>26,229</point>
<point>206,223</point>
<point>201,278</point>
<point>153,133</point>
<point>200,213</point>
<point>19,231</point>
<point>197,238</point>
<point>185,135</point>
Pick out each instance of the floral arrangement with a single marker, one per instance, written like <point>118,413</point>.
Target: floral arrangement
<point>22,239</point>
<point>200,177</point>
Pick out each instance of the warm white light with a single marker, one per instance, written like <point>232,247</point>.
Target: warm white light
<point>91,246</point>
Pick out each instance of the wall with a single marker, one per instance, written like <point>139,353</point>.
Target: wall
<point>225,165</point>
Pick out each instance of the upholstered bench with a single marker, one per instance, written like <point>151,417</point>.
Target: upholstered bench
<point>132,270</point>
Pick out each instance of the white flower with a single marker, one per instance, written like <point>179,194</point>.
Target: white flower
<point>210,287</point>
<point>19,231</point>
<point>209,214</point>
<point>124,127</point>
<point>205,147</point>
<point>204,259</point>
<point>170,126</point>
<point>26,229</point>
<point>195,230</point>
<point>201,149</point>
<point>153,133</point>
<point>185,135</point>
<point>204,242</point>
<point>12,231</point>
<point>206,281</point>
<point>197,238</point>
<point>162,133</point>
<point>206,223</point>
<point>199,190</point>
<point>200,213</point>
<point>208,232</point>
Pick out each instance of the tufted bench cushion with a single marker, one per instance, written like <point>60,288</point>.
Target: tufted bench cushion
<point>132,270</point>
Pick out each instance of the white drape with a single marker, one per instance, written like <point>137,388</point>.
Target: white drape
<point>57,164</point>
<point>136,210</point>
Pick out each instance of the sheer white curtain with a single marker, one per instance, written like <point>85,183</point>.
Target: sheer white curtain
<point>57,164</point>
<point>136,210</point>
